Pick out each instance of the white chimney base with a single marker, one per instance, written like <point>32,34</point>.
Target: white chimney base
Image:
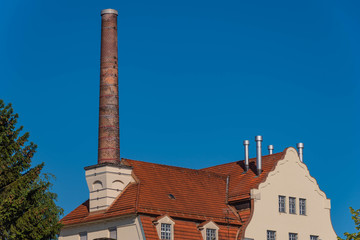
<point>105,182</point>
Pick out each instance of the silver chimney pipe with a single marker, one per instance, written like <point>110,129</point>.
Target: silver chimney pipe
<point>246,145</point>
<point>258,140</point>
<point>271,148</point>
<point>300,147</point>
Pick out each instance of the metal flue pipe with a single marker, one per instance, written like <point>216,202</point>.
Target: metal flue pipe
<point>300,147</point>
<point>246,151</point>
<point>258,140</point>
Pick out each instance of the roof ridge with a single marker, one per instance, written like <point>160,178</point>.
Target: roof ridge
<point>202,171</point>
<point>250,159</point>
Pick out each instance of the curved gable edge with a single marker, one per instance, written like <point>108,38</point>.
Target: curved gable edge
<point>286,157</point>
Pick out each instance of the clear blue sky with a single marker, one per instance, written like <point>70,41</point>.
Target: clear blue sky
<point>196,79</point>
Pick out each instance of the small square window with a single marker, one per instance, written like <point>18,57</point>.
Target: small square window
<point>113,233</point>
<point>271,235</point>
<point>83,236</point>
<point>281,203</point>
<point>165,231</point>
<point>293,236</point>
<point>292,205</point>
<point>210,234</point>
<point>302,206</point>
<point>313,237</point>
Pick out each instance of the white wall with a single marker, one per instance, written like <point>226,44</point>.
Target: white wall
<point>290,178</point>
<point>127,228</point>
<point>105,183</point>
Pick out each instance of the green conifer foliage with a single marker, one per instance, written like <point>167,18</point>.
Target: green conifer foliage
<point>356,217</point>
<point>27,207</point>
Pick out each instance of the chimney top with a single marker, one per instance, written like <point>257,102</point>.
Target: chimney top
<point>109,11</point>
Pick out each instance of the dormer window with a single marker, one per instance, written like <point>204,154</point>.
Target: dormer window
<point>165,231</point>
<point>209,230</point>
<point>164,227</point>
<point>210,234</point>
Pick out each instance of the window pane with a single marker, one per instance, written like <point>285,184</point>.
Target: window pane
<point>281,203</point>
<point>292,236</point>
<point>292,205</point>
<point>302,206</point>
<point>271,235</point>
<point>210,234</point>
<point>113,233</point>
<point>165,231</point>
<point>83,236</point>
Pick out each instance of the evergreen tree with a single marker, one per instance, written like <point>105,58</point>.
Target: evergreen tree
<point>27,207</point>
<point>356,217</point>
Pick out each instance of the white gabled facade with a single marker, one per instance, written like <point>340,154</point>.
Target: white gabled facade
<point>290,178</point>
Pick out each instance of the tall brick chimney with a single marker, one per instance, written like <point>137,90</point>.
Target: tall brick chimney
<point>109,141</point>
<point>107,179</point>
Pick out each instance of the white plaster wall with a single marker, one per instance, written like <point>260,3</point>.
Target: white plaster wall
<point>290,178</point>
<point>105,183</point>
<point>127,228</point>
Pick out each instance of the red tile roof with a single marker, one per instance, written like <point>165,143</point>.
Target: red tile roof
<point>240,182</point>
<point>186,230</point>
<point>198,196</point>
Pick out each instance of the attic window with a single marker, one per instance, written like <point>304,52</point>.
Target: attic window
<point>165,231</point>
<point>210,234</point>
<point>171,196</point>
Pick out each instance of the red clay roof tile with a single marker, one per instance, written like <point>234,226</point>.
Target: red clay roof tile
<point>197,196</point>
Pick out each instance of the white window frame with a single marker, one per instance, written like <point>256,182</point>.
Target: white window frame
<point>282,204</point>
<point>211,234</point>
<point>203,227</point>
<point>293,236</point>
<point>268,235</point>
<point>292,205</point>
<point>165,231</point>
<point>165,219</point>
<point>302,207</point>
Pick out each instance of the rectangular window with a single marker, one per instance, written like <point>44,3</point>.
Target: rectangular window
<point>293,236</point>
<point>292,205</point>
<point>281,203</point>
<point>165,231</point>
<point>302,206</point>
<point>83,236</point>
<point>113,233</point>
<point>312,237</point>
<point>210,234</point>
<point>271,235</point>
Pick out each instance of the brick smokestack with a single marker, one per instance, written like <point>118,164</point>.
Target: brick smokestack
<point>109,141</point>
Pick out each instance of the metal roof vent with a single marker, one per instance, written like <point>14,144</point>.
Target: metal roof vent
<point>271,148</point>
